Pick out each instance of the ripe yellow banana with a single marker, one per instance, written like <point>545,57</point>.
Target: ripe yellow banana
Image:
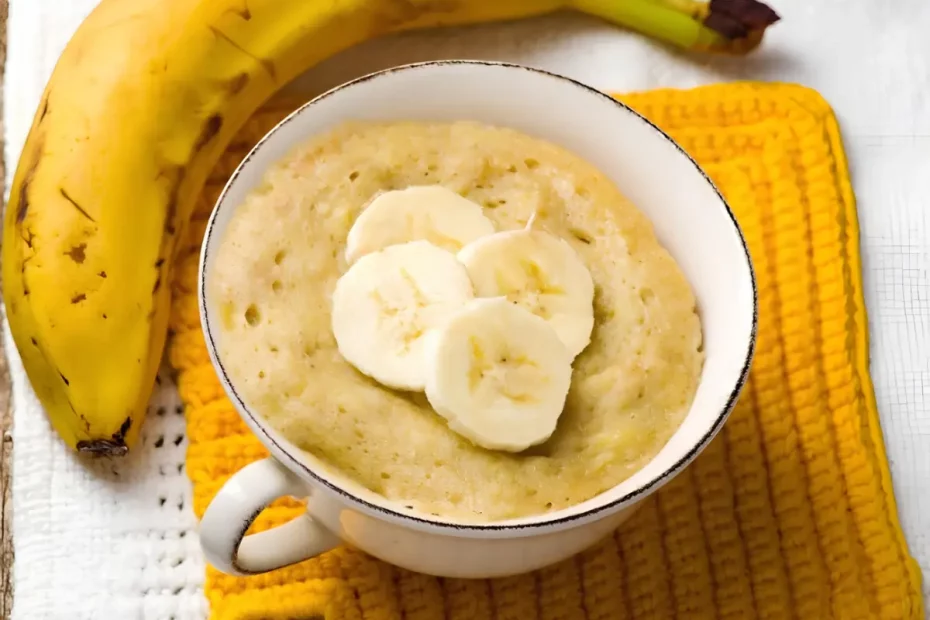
<point>140,106</point>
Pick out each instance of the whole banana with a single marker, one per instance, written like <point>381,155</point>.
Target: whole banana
<point>141,104</point>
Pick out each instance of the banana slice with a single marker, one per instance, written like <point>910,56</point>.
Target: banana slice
<point>385,304</point>
<point>539,272</point>
<point>498,374</point>
<point>429,212</point>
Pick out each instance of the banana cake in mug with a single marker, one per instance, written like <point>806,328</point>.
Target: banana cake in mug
<point>467,320</point>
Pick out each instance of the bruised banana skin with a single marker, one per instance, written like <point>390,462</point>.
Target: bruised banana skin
<point>141,104</point>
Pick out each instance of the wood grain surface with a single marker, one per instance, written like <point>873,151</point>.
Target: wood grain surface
<point>6,415</point>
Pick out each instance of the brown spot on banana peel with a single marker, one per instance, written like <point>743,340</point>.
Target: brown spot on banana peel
<point>236,84</point>
<point>74,204</point>
<point>81,417</point>
<point>78,298</point>
<point>208,131</point>
<point>44,109</point>
<point>266,64</point>
<point>177,177</point>
<point>169,219</point>
<point>114,446</point>
<point>64,378</point>
<point>77,253</point>
<point>22,273</point>
<point>22,206</point>
<point>242,12</point>
<point>103,274</point>
<point>28,237</point>
<point>22,203</point>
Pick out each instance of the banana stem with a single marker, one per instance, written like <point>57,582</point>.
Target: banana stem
<point>736,20</point>
<point>656,20</point>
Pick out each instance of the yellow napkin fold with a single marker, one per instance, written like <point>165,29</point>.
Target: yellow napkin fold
<point>789,513</point>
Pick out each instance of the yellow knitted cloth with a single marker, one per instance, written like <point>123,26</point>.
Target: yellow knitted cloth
<point>789,513</point>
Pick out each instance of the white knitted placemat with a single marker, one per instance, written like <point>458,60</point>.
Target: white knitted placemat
<point>117,540</point>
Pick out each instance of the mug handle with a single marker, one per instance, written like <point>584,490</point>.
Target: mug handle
<point>238,503</point>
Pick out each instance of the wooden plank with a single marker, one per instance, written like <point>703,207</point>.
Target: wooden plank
<point>6,414</point>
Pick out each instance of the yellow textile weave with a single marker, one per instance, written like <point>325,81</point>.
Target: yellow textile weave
<point>789,513</point>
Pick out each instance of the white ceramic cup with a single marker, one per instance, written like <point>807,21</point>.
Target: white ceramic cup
<point>691,220</point>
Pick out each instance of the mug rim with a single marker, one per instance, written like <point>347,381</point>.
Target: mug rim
<point>282,453</point>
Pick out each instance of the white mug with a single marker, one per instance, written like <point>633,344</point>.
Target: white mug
<point>691,220</point>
